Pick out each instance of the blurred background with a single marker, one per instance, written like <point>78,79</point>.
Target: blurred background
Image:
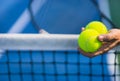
<point>67,15</point>
<point>58,17</point>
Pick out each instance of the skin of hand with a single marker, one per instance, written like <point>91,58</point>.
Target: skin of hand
<point>109,40</point>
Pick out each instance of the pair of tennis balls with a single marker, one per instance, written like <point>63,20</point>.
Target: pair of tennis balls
<point>88,39</point>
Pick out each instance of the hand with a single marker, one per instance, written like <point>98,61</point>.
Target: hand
<point>109,40</point>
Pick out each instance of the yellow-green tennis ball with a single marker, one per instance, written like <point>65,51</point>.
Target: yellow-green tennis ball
<point>98,26</point>
<point>88,41</point>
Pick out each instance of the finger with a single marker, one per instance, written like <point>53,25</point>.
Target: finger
<point>111,35</point>
<point>100,38</point>
<point>90,55</point>
<point>111,45</point>
<point>106,47</point>
<point>82,28</point>
<point>106,37</point>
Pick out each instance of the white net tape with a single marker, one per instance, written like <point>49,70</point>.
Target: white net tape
<point>38,42</point>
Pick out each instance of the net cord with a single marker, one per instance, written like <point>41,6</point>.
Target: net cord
<point>38,42</point>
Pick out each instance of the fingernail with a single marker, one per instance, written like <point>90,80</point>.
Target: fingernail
<point>101,38</point>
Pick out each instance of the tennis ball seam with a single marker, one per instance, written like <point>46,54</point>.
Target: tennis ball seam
<point>103,27</point>
<point>86,45</point>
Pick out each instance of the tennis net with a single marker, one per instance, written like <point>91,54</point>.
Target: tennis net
<point>52,57</point>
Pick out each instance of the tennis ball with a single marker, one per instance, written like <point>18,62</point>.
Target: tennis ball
<point>98,26</point>
<point>88,41</point>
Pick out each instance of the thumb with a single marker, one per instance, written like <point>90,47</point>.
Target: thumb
<point>106,37</point>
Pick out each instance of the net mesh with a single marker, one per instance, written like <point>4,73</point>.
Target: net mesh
<point>57,66</point>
